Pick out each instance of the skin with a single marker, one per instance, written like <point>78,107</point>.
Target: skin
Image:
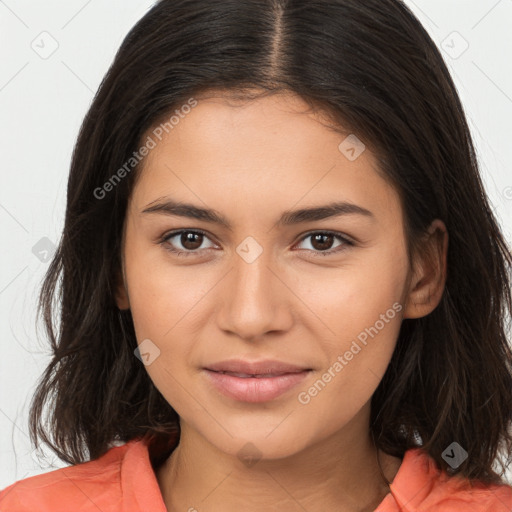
<point>251,161</point>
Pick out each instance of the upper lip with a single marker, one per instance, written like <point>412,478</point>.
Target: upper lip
<point>256,367</point>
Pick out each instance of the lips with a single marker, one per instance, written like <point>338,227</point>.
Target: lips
<point>266,367</point>
<point>259,381</point>
<point>255,375</point>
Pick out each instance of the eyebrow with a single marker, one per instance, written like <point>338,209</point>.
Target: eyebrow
<point>288,218</point>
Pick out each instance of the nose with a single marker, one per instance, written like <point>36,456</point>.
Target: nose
<point>255,299</point>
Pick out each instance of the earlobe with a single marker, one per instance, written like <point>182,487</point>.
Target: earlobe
<point>429,278</point>
<point>122,300</point>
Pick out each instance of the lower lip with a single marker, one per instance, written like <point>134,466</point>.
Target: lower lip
<point>254,389</point>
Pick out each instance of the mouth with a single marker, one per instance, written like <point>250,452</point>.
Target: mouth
<point>255,386</point>
<point>266,367</point>
<point>256,375</point>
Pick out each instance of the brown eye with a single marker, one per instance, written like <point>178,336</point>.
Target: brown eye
<point>186,242</point>
<point>191,240</point>
<point>321,243</point>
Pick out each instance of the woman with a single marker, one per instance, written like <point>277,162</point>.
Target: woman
<point>273,295</point>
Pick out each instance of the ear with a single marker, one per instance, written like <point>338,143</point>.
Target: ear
<point>430,271</point>
<point>122,299</point>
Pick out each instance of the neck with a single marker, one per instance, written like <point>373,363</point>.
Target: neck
<point>339,473</point>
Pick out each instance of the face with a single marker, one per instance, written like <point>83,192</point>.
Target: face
<point>323,291</point>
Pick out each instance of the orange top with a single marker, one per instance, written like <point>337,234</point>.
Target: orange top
<point>123,480</point>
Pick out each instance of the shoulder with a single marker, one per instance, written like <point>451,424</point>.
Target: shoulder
<point>420,483</point>
<point>103,484</point>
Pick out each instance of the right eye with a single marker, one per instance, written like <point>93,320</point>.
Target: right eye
<point>190,240</point>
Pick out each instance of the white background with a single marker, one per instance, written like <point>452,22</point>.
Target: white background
<point>43,101</point>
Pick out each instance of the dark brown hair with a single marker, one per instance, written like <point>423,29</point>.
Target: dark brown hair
<point>372,67</point>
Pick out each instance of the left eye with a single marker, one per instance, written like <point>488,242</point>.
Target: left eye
<point>321,242</point>
<point>192,240</point>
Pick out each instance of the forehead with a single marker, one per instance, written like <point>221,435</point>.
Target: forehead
<point>250,157</point>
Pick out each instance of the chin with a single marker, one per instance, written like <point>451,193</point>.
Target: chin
<point>264,444</point>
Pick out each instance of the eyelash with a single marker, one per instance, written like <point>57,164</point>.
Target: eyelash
<point>164,241</point>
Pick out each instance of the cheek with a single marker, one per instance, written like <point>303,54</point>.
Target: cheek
<point>352,297</point>
<point>164,302</point>
<point>359,313</point>
<point>161,293</point>
<point>366,323</point>
<point>167,304</point>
